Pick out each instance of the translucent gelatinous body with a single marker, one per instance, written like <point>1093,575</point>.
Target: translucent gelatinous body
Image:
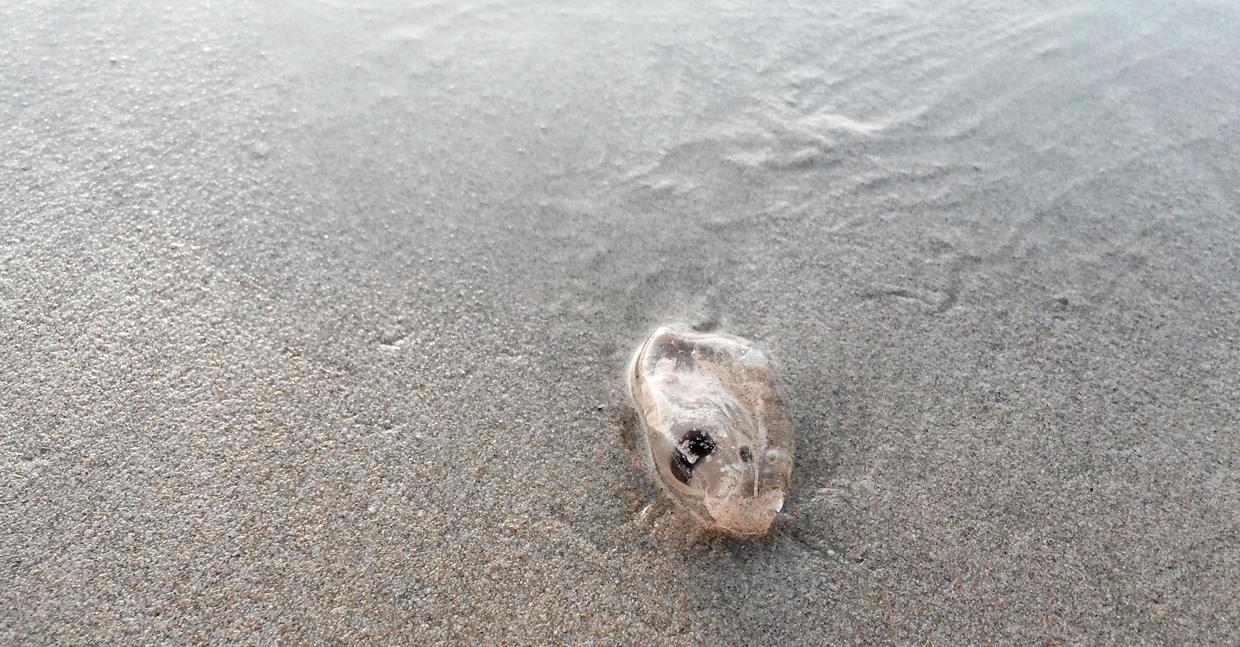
<point>717,428</point>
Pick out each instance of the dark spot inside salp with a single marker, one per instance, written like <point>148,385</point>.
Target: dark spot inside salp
<point>697,443</point>
<point>694,445</point>
<point>746,454</point>
<point>681,468</point>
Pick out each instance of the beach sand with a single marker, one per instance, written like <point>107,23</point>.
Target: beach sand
<point>312,319</point>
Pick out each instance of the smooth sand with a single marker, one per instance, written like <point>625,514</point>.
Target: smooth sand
<point>313,319</point>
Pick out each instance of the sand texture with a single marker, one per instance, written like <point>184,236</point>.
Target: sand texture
<point>313,317</point>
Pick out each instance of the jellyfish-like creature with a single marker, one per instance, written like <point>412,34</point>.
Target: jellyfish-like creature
<point>718,433</point>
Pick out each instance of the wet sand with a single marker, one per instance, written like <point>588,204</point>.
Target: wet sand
<point>313,318</point>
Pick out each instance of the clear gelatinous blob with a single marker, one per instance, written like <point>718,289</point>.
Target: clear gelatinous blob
<point>717,427</point>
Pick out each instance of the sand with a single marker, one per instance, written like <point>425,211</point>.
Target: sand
<point>312,319</point>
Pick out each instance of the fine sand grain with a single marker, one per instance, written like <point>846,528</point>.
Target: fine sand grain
<point>313,315</point>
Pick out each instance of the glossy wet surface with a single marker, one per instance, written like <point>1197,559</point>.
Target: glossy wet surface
<point>313,317</point>
<point>716,432</point>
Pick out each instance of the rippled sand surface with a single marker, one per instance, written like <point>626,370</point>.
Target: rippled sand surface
<point>312,318</point>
